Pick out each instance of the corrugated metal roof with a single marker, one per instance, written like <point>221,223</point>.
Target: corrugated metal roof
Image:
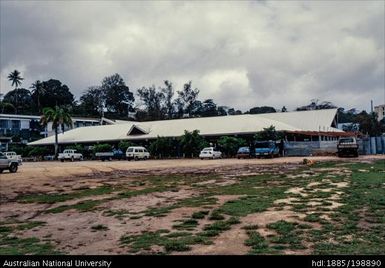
<point>318,120</point>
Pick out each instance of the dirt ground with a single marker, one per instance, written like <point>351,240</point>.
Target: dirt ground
<point>71,230</point>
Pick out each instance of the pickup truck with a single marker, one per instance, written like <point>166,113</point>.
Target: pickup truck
<point>347,146</point>
<point>115,154</point>
<point>70,154</point>
<point>14,156</point>
<point>266,149</point>
<point>9,164</point>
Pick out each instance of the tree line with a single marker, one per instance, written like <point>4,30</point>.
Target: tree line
<point>114,99</point>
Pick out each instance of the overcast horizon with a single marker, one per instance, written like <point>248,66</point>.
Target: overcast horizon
<point>241,54</point>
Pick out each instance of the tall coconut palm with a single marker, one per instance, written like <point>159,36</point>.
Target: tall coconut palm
<point>38,89</point>
<point>16,79</point>
<point>59,118</point>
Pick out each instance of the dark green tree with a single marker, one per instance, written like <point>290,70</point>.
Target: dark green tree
<point>118,97</point>
<point>229,145</point>
<point>15,78</point>
<point>21,99</point>
<point>123,145</point>
<point>268,134</point>
<point>315,104</point>
<point>187,97</point>
<point>163,147</point>
<point>91,102</point>
<point>368,124</point>
<point>262,110</point>
<point>38,90</point>
<point>152,100</point>
<point>168,92</point>
<point>209,108</point>
<point>59,118</point>
<point>7,107</point>
<point>192,143</point>
<point>56,94</point>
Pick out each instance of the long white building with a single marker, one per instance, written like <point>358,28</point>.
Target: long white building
<point>319,123</point>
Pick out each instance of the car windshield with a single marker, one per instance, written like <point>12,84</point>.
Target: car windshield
<point>346,140</point>
<point>207,149</point>
<point>262,145</point>
<point>130,150</point>
<point>244,150</point>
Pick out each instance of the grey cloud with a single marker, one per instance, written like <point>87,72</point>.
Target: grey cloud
<point>242,54</point>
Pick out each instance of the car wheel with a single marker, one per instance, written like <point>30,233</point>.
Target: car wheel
<point>61,160</point>
<point>13,168</point>
<point>136,158</point>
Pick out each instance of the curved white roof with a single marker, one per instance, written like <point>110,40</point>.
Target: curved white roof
<point>318,120</point>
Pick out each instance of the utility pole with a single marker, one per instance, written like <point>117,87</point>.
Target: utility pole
<point>371,106</point>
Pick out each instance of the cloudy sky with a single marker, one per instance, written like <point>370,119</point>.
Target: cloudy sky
<point>241,54</point>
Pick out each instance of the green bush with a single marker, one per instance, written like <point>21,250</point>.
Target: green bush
<point>268,134</point>
<point>38,151</point>
<point>102,148</point>
<point>230,145</point>
<point>192,143</point>
<point>123,145</point>
<point>163,147</point>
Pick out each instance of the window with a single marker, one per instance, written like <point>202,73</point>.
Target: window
<point>15,124</point>
<point>3,123</point>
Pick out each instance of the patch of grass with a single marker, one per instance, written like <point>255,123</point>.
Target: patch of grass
<point>99,227</point>
<point>216,215</point>
<point>253,203</point>
<point>133,193</point>
<point>250,227</point>
<point>188,202</point>
<point>200,214</point>
<point>221,225</point>
<point>361,216</point>
<point>25,246</point>
<point>30,225</point>
<point>178,241</point>
<point>117,213</point>
<point>257,243</point>
<point>288,235</point>
<point>86,205</point>
<point>55,198</point>
<point>314,217</point>
<point>188,224</point>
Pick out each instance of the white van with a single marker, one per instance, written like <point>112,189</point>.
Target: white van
<point>137,152</point>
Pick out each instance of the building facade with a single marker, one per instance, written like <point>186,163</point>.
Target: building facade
<point>28,128</point>
<point>380,111</point>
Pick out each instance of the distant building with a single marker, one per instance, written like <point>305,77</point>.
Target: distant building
<point>298,126</point>
<point>380,111</point>
<point>28,127</point>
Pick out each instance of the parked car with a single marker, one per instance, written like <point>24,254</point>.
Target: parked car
<point>266,149</point>
<point>14,156</point>
<point>8,164</point>
<point>347,146</point>
<point>243,152</point>
<point>70,154</point>
<point>114,154</point>
<point>210,152</point>
<point>137,152</point>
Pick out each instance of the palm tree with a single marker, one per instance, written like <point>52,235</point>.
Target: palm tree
<point>38,88</point>
<point>59,118</point>
<point>16,79</point>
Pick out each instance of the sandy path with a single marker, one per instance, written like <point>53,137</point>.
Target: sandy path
<point>41,170</point>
